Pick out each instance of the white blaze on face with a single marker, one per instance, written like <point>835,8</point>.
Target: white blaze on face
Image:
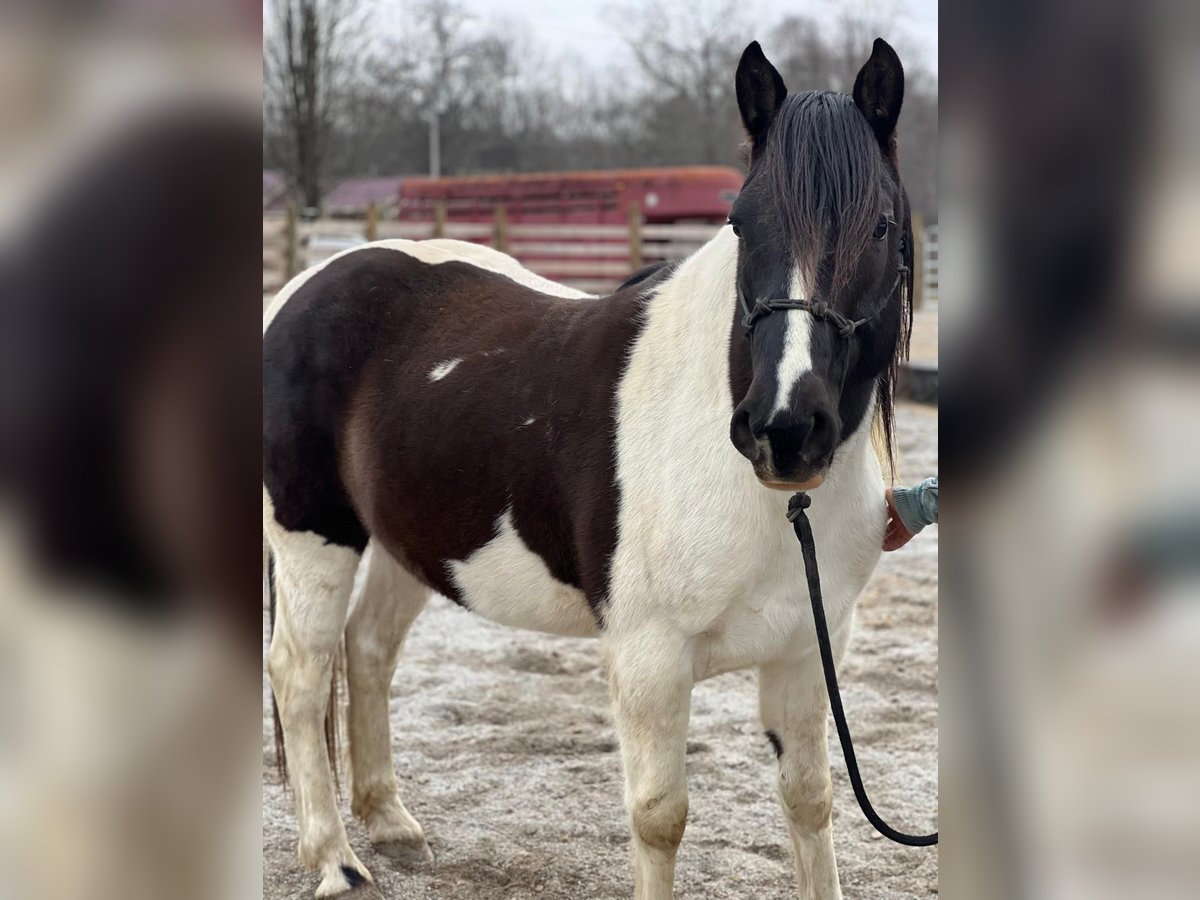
<point>796,358</point>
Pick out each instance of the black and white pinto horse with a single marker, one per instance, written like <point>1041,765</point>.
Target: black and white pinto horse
<point>616,466</point>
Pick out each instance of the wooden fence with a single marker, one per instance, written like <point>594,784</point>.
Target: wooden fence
<point>927,290</point>
<point>593,258</point>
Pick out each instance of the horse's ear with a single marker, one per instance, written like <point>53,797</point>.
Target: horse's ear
<point>760,93</point>
<point>879,93</point>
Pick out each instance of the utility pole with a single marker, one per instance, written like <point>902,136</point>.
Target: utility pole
<point>435,143</point>
<point>434,105</point>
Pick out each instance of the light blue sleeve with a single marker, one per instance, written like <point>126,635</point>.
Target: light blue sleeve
<point>917,506</point>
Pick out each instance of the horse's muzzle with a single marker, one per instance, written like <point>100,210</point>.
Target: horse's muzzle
<point>791,451</point>
<point>814,481</point>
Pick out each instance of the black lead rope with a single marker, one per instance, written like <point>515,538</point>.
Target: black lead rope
<point>799,519</point>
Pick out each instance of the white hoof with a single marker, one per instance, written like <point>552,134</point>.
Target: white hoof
<point>397,835</point>
<point>341,878</point>
<point>407,852</point>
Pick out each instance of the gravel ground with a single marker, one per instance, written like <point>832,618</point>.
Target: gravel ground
<point>507,755</point>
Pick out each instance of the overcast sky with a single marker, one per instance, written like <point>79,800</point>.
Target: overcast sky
<point>577,26</point>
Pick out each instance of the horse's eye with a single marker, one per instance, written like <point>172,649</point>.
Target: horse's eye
<point>881,230</point>
<point>737,230</point>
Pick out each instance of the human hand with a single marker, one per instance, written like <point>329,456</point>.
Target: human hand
<point>896,535</point>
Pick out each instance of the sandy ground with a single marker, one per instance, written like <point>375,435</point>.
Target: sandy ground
<point>506,754</point>
<point>924,345</point>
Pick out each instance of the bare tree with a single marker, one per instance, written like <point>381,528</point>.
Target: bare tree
<point>502,106</point>
<point>804,57</point>
<point>308,56</point>
<point>815,56</point>
<point>688,53</point>
<point>417,93</point>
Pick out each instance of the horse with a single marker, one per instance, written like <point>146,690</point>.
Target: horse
<point>614,466</point>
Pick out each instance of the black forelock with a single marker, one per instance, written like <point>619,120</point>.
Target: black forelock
<point>825,176</point>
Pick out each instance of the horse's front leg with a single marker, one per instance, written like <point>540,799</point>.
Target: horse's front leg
<point>651,679</point>
<point>794,706</point>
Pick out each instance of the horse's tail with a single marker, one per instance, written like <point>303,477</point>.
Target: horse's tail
<point>280,750</point>
<point>331,712</point>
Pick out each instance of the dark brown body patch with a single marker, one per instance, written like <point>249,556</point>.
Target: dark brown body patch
<point>359,441</point>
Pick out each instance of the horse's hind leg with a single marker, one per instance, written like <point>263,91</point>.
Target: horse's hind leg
<point>314,580</point>
<point>390,600</point>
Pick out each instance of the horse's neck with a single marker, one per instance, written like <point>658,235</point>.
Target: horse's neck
<point>681,360</point>
<point>700,293</point>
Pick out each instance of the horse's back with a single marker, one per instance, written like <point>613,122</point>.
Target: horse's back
<point>325,339</point>
<point>434,251</point>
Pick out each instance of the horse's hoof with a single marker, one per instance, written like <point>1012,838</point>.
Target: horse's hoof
<point>347,882</point>
<point>407,853</point>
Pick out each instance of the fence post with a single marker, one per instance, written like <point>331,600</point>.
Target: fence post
<point>439,219</point>
<point>372,222</point>
<point>290,255</point>
<point>636,255</point>
<point>500,234</point>
<point>918,273</point>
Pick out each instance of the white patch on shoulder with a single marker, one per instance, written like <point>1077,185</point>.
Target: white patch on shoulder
<point>797,350</point>
<point>508,583</point>
<point>529,421</point>
<point>442,369</point>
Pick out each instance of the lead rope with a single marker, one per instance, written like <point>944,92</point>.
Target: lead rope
<point>799,519</point>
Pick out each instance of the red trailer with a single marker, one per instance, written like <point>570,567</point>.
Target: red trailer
<point>701,194</point>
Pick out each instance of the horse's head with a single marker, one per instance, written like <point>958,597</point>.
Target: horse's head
<point>822,219</point>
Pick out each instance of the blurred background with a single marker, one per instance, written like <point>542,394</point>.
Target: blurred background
<point>1070,634</point>
<point>130,557</point>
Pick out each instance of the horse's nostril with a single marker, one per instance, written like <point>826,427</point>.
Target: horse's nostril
<point>741,433</point>
<point>821,433</point>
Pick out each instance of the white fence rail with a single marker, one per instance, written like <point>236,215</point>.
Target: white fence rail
<point>593,258</point>
<point>929,265</point>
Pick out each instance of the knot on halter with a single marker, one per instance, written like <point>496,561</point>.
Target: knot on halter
<point>797,505</point>
<point>761,308</point>
<point>822,310</point>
